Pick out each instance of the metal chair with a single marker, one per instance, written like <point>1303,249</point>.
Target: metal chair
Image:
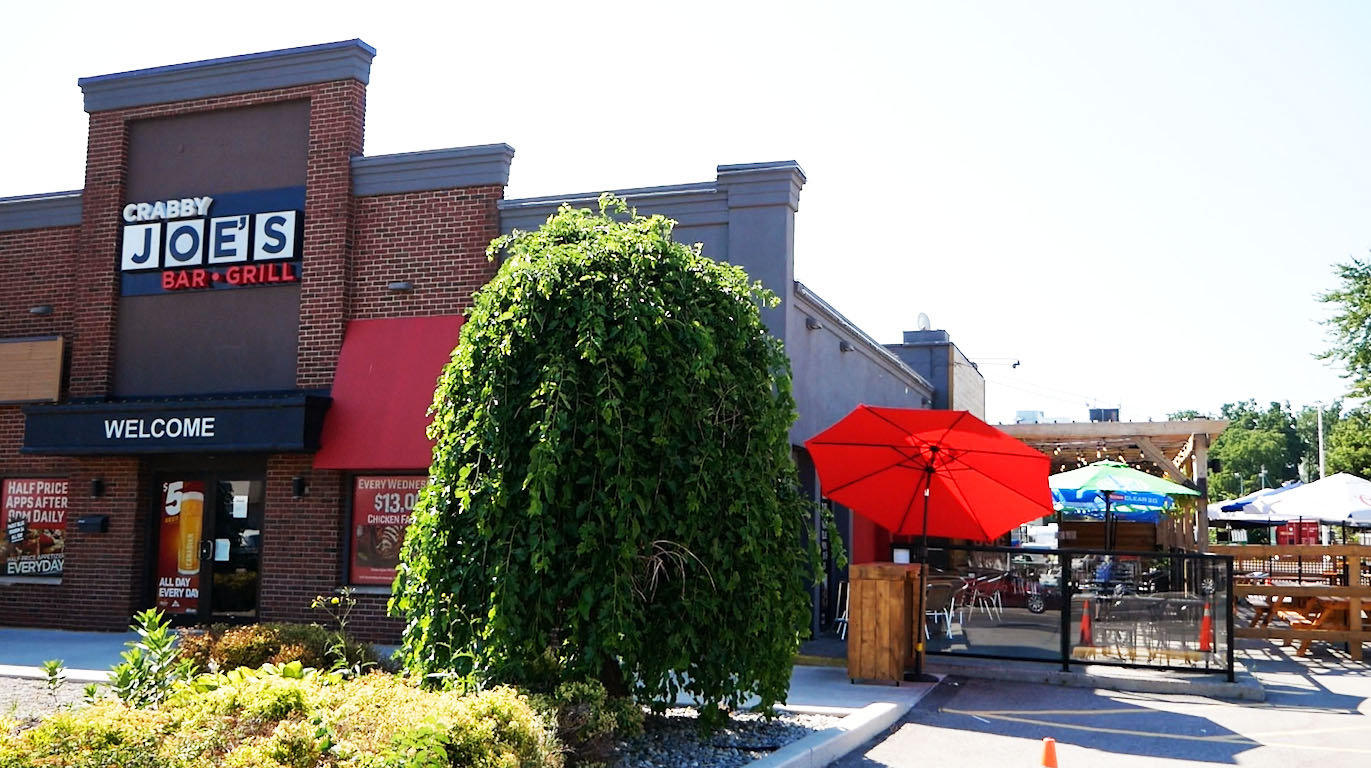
<point>840,612</point>
<point>938,604</point>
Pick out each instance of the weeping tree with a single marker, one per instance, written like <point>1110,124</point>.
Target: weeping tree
<point>612,495</point>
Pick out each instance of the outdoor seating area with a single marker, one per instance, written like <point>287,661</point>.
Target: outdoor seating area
<point>1304,592</point>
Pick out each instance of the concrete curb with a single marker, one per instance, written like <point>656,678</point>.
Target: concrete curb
<point>819,749</point>
<point>73,675</point>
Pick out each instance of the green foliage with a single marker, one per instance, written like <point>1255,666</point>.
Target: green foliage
<point>589,721</point>
<point>224,647</point>
<point>347,656</point>
<point>1348,446</point>
<point>151,667</point>
<point>54,676</point>
<point>1351,324</point>
<point>1255,439</point>
<point>291,717</point>
<point>612,495</point>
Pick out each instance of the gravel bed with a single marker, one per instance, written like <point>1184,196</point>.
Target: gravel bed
<point>28,699</point>
<point>673,740</point>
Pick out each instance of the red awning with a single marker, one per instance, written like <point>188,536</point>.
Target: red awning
<point>382,390</point>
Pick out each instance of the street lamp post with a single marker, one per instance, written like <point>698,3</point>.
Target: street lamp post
<point>1238,475</point>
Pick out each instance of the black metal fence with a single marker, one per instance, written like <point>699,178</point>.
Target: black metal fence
<point>1133,609</point>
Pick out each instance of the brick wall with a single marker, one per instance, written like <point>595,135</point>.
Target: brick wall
<point>436,240</point>
<point>352,246</point>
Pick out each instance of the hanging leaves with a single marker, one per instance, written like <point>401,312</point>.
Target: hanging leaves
<point>612,493</point>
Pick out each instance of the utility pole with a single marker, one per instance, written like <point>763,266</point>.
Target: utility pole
<point>1319,406</point>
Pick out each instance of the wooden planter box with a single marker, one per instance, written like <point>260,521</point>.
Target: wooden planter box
<point>880,620</point>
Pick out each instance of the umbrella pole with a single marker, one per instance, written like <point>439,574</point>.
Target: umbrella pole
<point>919,676</point>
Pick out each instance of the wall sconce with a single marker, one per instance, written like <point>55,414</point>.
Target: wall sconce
<point>400,286</point>
<point>813,324</point>
<point>845,346</point>
<point>97,488</point>
<point>41,309</point>
<point>298,487</point>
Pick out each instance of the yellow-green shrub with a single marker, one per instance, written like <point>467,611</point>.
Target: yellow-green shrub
<point>225,647</point>
<point>293,718</point>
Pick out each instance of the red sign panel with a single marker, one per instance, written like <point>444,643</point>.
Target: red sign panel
<point>1300,532</point>
<point>178,546</point>
<point>35,515</point>
<point>382,509</point>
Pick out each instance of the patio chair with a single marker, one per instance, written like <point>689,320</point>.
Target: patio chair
<point>840,611</point>
<point>986,595</point>
<point>938,605</point>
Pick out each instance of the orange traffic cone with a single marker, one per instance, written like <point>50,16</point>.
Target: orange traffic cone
<point>1049,752</point>
<point>1206,631</point>
<point>1087,637</point>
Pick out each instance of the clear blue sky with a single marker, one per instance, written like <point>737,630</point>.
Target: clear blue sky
<point>1138,201</point>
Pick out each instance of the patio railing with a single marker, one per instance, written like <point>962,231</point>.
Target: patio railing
<point>1134,609</point>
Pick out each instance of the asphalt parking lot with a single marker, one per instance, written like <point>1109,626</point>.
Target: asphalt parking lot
<point>1317,713</point>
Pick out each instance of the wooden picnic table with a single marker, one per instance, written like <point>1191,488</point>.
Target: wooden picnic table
<point>1328,613</point>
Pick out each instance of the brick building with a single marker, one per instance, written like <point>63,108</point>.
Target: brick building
<point>199,400</point>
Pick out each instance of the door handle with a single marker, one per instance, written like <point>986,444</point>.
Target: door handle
<point>206,550</point>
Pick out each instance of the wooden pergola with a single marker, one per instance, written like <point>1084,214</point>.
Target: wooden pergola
<point>1176,450</point>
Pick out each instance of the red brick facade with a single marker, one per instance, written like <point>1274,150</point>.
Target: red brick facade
<point>352,247</point>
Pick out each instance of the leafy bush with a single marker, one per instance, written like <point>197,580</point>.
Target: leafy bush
<point>291,717</point>
<point>612,481</point>
<point>224,647</point>
<point>589,721</point>
<point>152,665</point>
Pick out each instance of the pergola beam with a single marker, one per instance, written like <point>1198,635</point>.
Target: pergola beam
<point>1155,455</point>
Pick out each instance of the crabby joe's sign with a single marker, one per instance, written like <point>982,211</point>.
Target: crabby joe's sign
<point>209,243</point>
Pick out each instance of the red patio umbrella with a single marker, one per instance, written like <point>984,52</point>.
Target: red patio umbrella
<point>981,482</point>
<point>931,473</point>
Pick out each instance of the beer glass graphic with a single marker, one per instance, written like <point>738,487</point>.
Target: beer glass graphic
<point>188,506</point>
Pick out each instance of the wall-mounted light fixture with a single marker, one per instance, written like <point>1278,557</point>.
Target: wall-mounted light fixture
<point>845,346</point>
<point>400,286</point>
<point>813,324</point>
<point>298,487</point>
<point>41,309</point>
<point>97,488</point>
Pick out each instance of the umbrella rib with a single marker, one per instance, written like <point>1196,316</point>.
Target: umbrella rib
<point>830,491</point>
<point>998,482</point>
<point>928,482</point>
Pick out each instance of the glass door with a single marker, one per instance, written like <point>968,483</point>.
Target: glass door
<point>209,545</point>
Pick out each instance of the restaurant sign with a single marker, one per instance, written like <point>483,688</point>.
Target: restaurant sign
<point>249,424</point>
<point>211,242</point>
<point>35,519</point>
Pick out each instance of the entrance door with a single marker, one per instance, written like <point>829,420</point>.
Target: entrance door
<point>209,545</point>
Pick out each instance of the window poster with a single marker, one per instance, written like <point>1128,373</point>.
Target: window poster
<point>178,546</point>
<point>35,516</point>
<point>382,509</point>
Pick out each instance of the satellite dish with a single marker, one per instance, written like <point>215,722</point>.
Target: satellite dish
<point>923,322</point>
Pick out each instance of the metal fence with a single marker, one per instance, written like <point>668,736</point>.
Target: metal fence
<point>1134,609</point>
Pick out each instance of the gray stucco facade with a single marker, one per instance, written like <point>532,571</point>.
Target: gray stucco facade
<point>746,217</point>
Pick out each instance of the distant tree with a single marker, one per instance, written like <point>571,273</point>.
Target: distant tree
<point>1306,426</point>
<point>1256,439</point>
<point>1348,446</point>
<point>1187,416</point>
<point>1351,324</point>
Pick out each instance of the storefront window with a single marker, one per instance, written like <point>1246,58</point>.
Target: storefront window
<point>35,513</point>
<point>382,509</point>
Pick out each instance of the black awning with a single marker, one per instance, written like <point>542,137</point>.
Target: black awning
<point>276,423</point>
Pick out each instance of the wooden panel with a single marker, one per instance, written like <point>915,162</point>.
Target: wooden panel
<point>31,370</point>
<point>1249,551</point>
<point>879,621</point>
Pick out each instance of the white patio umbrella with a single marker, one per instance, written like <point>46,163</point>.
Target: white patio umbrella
<point>1340,498</point>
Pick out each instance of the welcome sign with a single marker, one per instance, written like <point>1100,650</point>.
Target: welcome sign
<point>211,242</point>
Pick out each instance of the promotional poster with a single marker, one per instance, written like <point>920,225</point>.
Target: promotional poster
<point>178,546</point>
<point>35,515</point>
<point>382,509</point>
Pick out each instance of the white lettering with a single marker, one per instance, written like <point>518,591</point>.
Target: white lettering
<point>159,210</point>
<point>140,429</point>
<point>175,428</point>
<point>130,211</point>
<point>144,212</point>
<point>173,209</point>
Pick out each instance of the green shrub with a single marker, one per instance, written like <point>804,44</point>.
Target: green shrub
<point>291,717</point>
<point>224,647</point>
<point>589,721</point>
<point>152,665</point>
